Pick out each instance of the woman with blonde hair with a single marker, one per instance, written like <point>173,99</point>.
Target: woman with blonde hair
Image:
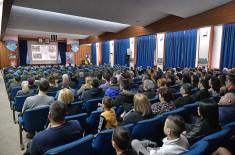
<point>66,96</point>
<point>142,110</point>
<point>86,86</point>
<point>25,91</point>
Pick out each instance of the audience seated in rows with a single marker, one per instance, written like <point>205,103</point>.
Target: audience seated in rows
<point>185,93</point>
<point>53,86</point>
<point>113,90</point>
<point>214,83</point>
<point>148,89</point>
<point>206,123</point>
<point>173,144</point>
<point>227,109</point>
<point>58,132</point>
<point>142,110</point>
<point>32,84</point>
<point>108,118</point>
<point>165,104</point>
<point>16,82</point>
<point>121,141</point>
<point>203,92</point>
<point>106,85</point>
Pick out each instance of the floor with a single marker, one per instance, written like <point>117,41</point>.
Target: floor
<point>9,132</point>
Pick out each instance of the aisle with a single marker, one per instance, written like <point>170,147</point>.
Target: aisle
<point>9,134</point>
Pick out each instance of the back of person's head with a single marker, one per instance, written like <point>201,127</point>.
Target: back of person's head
<point>176,125</point>
<point>215,83</point>
<point>65,78</point>
<point>114,80</point>
<point>25,86</point>
<point>161,82</point>
<point>107,77</point>
<point>51,80</point>
<point>31,81</point>
<point>222,79</point>
<point>88,80</point>
<point>185,89</point>
<point>107,102</point>
<point>186,78</point>
<point>95,83</point>
<point>166,94</point>
<point>57,111</point>
<point>208,110</point>
<point>121,138</point>
<point>43,85</point>
<point>17,78</point>
<point>148,85</point>
<point>99,76</point>
<point>125,84</point>
<point>227,99</point>
<point>142,105</point>
<point>179,76</point>
<point>204,84</point>
<point>231,79</point>
<point>195,80</point>
<point>66,96</point>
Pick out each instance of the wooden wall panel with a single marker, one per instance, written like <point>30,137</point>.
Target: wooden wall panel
<point>4,54</point>
<point>81,54</point>
<point>220,15</point>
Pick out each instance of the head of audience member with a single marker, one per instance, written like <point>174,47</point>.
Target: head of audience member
<point>145,77</point>
<point>107,103</point>
<point>203,84</point>
<point>51,80</point>
<point>142,105</point>
<point>179,76</point>
<point>113,81</point>
<point>186,78</point>
<point>31,81</point>
<point>230,80</point>
<point>214,83</point>
<point>185,89</point>
<point>25,86</point>
<point>124,84</point>
<point>57,113</point>
<point>88,81</point>
<point>165,95</point>
<point>148,85</point>
<point>174,126</point>
<point>66,96</point>
<point>227,99</point>
<point>208,110</point>
<point>107,77</point>
<point>65,79</point>
<point>95,83</point>
<point>99,76</point>
<point>195,80</point>
<point>43,85</point>
<point>222,79</point>
<point>17,78</point>
<point>121,139</point>
<point>161,82</point>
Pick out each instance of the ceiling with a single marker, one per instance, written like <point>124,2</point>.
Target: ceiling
<point>79,19</point>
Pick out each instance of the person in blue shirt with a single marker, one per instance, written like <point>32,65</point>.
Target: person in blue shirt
<point>59,132</point>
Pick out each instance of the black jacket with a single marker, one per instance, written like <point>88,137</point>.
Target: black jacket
<point>200,128</point>
<point>201,94</point>
<point>181,101</point>
<point>134,117</point>
<point>125,99</point>
<point>92,93</point>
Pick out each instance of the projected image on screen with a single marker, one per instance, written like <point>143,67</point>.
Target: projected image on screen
<point>42,54</point>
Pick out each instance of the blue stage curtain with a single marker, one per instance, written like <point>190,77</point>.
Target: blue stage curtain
<point>120,49</point>
<point>105,52</point>
<point>93,53</point>
<point>23,49</point>
<point>227,58</point>
<point>180,49</point>
<point>146,46</point>
<point>62,50</point>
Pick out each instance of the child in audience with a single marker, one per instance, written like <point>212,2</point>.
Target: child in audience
<point>108,118</point>
<point>175,142</point>
<point>121,141</point>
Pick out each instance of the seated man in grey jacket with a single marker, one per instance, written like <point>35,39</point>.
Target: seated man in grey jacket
<point>39,100</point>
<point>175,143</point>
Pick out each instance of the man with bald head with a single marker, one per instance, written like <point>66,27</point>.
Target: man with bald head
<point>227,108</point>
